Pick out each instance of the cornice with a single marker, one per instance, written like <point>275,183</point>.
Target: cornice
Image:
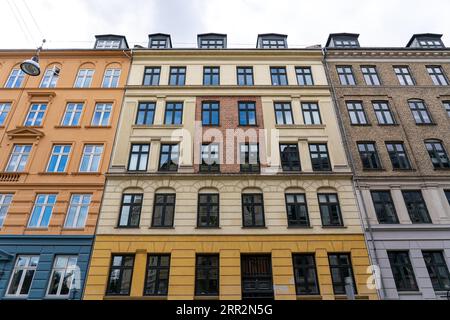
<point>386,53</point>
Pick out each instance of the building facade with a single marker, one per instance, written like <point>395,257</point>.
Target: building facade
<point>56,137</point>
<point>228,180</point>
<point>393,104</point>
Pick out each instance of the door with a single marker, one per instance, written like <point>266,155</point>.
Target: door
<point>256,274</point>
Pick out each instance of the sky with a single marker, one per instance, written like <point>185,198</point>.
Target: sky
<point>73,23</point>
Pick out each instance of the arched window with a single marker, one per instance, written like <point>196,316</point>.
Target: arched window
<point>130,209</point>
<point>111,76</point>
<point>15,78</point>
<point>84,76</point>
<point>51,76</point>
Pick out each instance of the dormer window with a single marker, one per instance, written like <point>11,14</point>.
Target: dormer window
<point>272,41</point>
<point>159,41</point>
<point>110,42</point>
<point>343,40</point>
<point>426,41</point>
<point>212,41</point>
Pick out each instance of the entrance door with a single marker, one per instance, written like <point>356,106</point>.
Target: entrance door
<point>256,277</point>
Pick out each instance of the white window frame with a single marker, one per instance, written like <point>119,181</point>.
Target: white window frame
<point>26,268</point>
<point>73,112</point>
<point>5,108</point>
<point>17,74</point>
<point>5,202</point>
<point>49,79</point>
<point>108,79</point>
<point>91,156</point>
<point>78,206</point>
<point>108,44</point>
<point>65,270</point>
<point>21,154</point>
<point>59,156</point>
<point>102,109</point>
<point>85,76</point>
<point>41,207</point>
<point>41,108</point>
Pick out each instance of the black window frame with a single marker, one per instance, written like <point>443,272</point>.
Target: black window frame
<point>209,205</point>
<point>209,76</point>
<point>382,108</point>
<point>122,268</point>
<point>397,151</point>
<point>243,74</point>
<point>158,268</point>
<point>303,288</point>
<point>172,167</point>
<point>146,108</point>
<point>247,107</point>
<point>165,204</point>
<point>320,165</point>
<point>211,110</point>
<point>446,105</point>
<point>139,154</point>
<point>132,204</point>
<point>246,166</point>
<point>432,265</point>
<point>370,73</point>
<point>253,204</point>
<point>174,108</point>
<point>380,204</point>
<point>337,285</point>
<point>414,206</point>
<point>301,220</point>
<point>311,108</point>
<point>370,159</point>
<point>401,272</point>
<point>209,168</point>
<point>285,110</point>
<point>304,78</point>
<point>346,75</point>
<point>151,72</point>
<point>208,269</point>
<point>420,112</point>
<point>447,195</point>
<point>339,222</point>
<point>434,153</point>
<point>404,77</point>
<point>439,77</point>
<point>177,74</point>
<point>290,161</point>
<point>279,77</point>
<point>357,108</point>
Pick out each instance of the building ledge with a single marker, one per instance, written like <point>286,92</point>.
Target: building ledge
<point>411,227</point>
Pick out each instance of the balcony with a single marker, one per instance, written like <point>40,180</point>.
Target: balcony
<point>7,177</point>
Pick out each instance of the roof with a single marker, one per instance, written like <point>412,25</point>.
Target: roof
<point>161,35</point>
<point>342,34</point>
<point>417,35</point>
<point>211,34</point>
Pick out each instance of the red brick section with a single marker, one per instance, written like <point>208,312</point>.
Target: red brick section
<point>229,119</point>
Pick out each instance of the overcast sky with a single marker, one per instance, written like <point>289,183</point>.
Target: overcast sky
<point>307,22</point>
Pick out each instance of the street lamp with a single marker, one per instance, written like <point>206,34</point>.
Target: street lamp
<point>31,66</point>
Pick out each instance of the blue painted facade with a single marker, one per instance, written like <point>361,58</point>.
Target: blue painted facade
<point>47,247</point>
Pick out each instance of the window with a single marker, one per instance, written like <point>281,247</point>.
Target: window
<point>151,76</point>
<point>158,44</point>
<point>247,114</point>
<point>211,76</point>
<point>279,76</point>
<point>420,112</point>
<point>446,107</point>
<point>177,76</point>
<point>384,207</point>
<point>35,115</point>
<point>398,155</point>
<point>19,158</point>
<point>369,155</point>
<point>417,208</point>
<point>59,158</point>
<point>22,276</point>
<point>356,113</point>
<point>253,210</point>
<point>5,201</point>
<point>290,159</point>
<point>311,113</point>
<point>174,113</point>
<point>210,113</point>
<point>319,157</point>
<point>72,115</point>
<point>111,78</point>
<point>371,75</point>
<point>431,44</point>
<point>15,79</point>
<point>346,43</point>
<point>437,75</point>
<point>346,76</point>
<point>273,44</point>
<point>341,268</point>
<point>62,276</point>
<point>4,110</point>
<point>138,157</point>
<point>210,158</point>
<point>42,211</point>
<point>146,113</point>
<point>207,275</point>
<point>297,210</point>
<point>383,112</point>
<point>119,282</point>
<point>306,282</point>
<point>437,269</point>
<point>245,76</point>
<point>212,44</point>
<point>84,78</point>
<point>92,154</point>
<point>157,279</point>
<point>78,211</point>
<point>402,270</point>
<point>304,76</point>
<point>163,211</point>
<point>208,210</point>
<point>257,277</point>
<point>168,160</point>
<point>404,76</point>
<point>108,44</point>
<point>283,113</point>
<point>102,114</point>
<point>330,210</point>
<point>447,195</point>
<point>437,153</point>
<point>130,211</point>
<point>50,78</point>
<point>249,158</point>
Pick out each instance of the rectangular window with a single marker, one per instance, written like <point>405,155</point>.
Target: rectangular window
<point>369,155</point>
<point>50,78</point>
<point>169,156</point>
<point>311,113</point>
<point>163,211</point>
<point>447,195</point>
<point>158,44</point>
<point>304,76</point>
<point>446,107</point>
<point>253,211</point>
<point>383,112</point>
<point>84,78</point>
<point>139,157</point>
<point>305,272</point>
<point>398,155</point>
<point>330,210</point>
<point>19,158</point>
<point>35,115</point>
<point>208,210</point>
<point>210,158</point>
<point>111,78</point>
<point>417,208</point>
<point>356,113</point>
<point>437,75</point>
<point>384,207</point>
<point>177,76</point>
<point>279,76</point>
<point>420,112</point>
<point>4,111</point>
<point>62,277</point>
<point>290,158</point>
<point>210,113</point>
<point>273,44</point>
<point>174,113</point>
<point>151,76</point>
<point>5,201</point>
<point>92,155</point>
<point>102,114</point>
<point>78,211</point>
<point>249,158</point>
<point>297,210</point>
<point>120,274</point>
<point>108,44</point>
<point>320,159</point>
<point>341,268</point>
<point>130,211</point>
<point>15,79</point>
<point>207,275</point>
<point>212,44</point>
<point>22,276</point>
<point>437,154</point>
<point>437,269</point>
<point>371,75</point>
<point>283,113</point>
<point>247,114</point>
<point>146,113</point>
<point>157,279</point>
<point>211,76</point>
<point>346,76</point>
<point>403,271</point>
<point>42,211</point>
<point>404,75</point>
<point>72,115</point>
<point>59,158</point>
<point>257,277</point>
<point>245,76</point>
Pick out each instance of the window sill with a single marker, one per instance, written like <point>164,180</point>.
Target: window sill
<point>374,170</point>
<point>162,228</point>
<point>441,169</point>
<point>309,297</point>
<point>300,126</point>
<point>404,170</point>
<point>388,125</point>
<point>426,124</point>
<point>409,293</point>
<point>36,229</point>
<point>156,298</point>
<point>206,298</point>
<point>97,127</point>
<point>53,173</point>
<point>251,228</point>
<point>334,227</point>
<point>127,228</point>
<point>208,228</point>
<point>344,297</point>
<point>360,125</point>
<point>67,127</point>
<point>158,126</point>
<point>73,229</point>
<point>87,173</point>
<point>300,227</point>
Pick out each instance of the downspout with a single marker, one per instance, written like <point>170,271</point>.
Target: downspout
<point>357,191</point>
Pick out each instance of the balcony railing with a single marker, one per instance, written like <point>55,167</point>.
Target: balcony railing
<point>9,176</point>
